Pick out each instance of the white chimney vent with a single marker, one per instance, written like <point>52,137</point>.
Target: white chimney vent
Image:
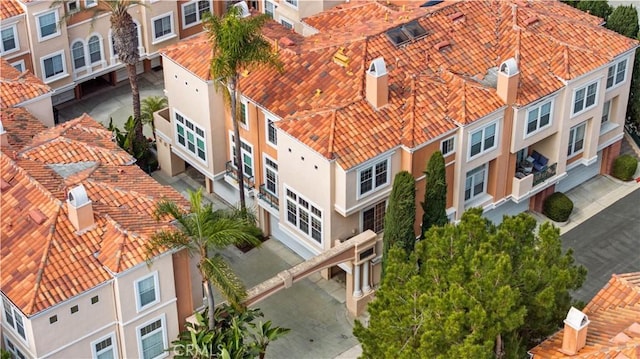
<point>377,83</point>
<point>378,67</point>
<point>80,208</point>
<point>576,326</point>
<point>508,81</point>
<point>509,67</point>
<point>77,196</point>
<point>576,319</point>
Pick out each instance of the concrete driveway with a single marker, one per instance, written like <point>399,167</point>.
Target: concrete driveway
<point>607,243</point>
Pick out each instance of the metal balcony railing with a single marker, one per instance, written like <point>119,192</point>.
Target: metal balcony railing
<point>541,176</point>
<point>268,197</point>
<point>249,181</point>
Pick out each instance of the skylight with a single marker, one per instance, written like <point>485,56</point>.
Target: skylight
<point>405,33</point>
<point>431,3</point>
<point>397,36</point>
<point>414,29</point>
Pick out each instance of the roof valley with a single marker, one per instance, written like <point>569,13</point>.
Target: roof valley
<point>44,260</point>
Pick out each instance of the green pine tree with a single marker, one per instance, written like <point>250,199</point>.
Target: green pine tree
<point>597,8</point>
<point>400,215</point>
<point>624,21</point>
<point>435,194</point>
<point>469,286</point>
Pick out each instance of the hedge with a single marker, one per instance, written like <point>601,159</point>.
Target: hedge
<point>624,167</point>
<point>557,207</point>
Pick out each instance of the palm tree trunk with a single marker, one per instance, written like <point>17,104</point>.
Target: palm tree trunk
<point>135,96</point>
<point>236,136</point>
<point>208,292</point>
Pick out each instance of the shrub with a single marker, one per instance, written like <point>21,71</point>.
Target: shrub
<point>557,207</point>
<point>624,167</point>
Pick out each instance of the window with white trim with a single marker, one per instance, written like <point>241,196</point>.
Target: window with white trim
<point>616,73</point>
<point>104,348</point>
<point>12,349</point>
<point>373,217</point>
<point>606,111</point>
<point>77,53</point>
<point>272,133</point>
<point>269,8</point>
<point>539,117</point>
<point>373,177</point>
<point>286,23</point>
<point>48,25</point>
<point>190,136</point>
<point>152,339</point>
<point>53,66</point>
<point>90,3</point>
<point>193,12</point>
<point>95,49</point>
<point>576,139</point>
<point>9,39</point>
<point>162,27</point>
<point>73,5</point>
<point>14,318</point>
<point>448,146</point>
<point>271,176</point>
<point>247,156</point>
<point>475,184</point>
<point>293,3</point>
<point>19,65</point>
<point>584,98</point>
<point>244,113</point>
<point>147,291</point>
<point>305,216</point>
<point>483,140</point>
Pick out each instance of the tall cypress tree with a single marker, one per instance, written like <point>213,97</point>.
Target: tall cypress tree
<point>435,194</point>
<point>400,216</point>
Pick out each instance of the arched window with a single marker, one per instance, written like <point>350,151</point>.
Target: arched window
<point>77,52</point>
<point>95,52</point>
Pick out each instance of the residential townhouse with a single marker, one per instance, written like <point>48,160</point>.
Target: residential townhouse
<point>75,282</point>
<point>607,327</point>
<point>23,89</point>
<point>523,98</point>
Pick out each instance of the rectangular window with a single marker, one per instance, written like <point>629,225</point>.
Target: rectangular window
<point>272,133</point>
<point>482,140</point>
<point>77,53</point>
<point>373,177</point>
<point>373,218</point>
<point>147,291</point>
<point>48,25</point>
<point>73,6</point>
<point>616,73</point>
<point>244,113</point>
<point>286,23</point>
<point>190,136</point>
<point>95,299</point>
<point>271,176</point>
<point>53,319</point>
<point>9,39</point>
<point>269,8</point>
<point>95,52</point>
<point>247,156</point>
<point>104,348</point>
<point>53,66</point>
<point>585,98</point>
<point>447,146</point>
<point>193,12</point>
<point>304,216</point>
<point>162,27</point>
<point>606,110</point>
<point>90,3</point>
<point>576,140</point>
<point>538,117</point>
<point>292,2</point>
<point>12,349</point>
<point>475,183</point>
<point>74,309</point>
<point>152,340</point>
<point>14,318</point>
<point>19,65</point>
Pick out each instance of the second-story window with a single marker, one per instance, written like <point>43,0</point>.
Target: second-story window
<point>9,40</point>
<point>373,177</point>
<point>147,291</point>
<point>373,217</point>
<point>190,136</point>
<point>576,140</point>
<point>272,134</point>
<point>271,175</point>
<point>482,140</point>
<point>162,27</point>
<point>606,111</point>
<point>193,12</point>
<point>247,156</point>
<point>616,73</point>
<point>538,117</point>
<point>14,318</point>
<point>48,25</point>
<point>584,98</point>
<point>448,146</point>
<point>304,215</point>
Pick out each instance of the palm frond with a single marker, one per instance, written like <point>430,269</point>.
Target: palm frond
<point>218,271</point>
<point>167,239</point>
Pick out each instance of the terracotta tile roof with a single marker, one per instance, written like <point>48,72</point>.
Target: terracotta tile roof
<point>465,42</point>
<point>10,8</point>
<point>44,264</point>
<point>614,310</point>
<point>16,87</point>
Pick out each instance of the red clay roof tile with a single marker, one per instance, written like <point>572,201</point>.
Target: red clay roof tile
<point>16,87</point>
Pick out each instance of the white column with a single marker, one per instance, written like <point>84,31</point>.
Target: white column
<point>365,277</point>
<point>357,292</point>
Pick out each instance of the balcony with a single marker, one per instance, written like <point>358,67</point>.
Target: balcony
<point>162,122</point>
<point>527,179</point>
<point>231,175</point>
<point>268,197</point>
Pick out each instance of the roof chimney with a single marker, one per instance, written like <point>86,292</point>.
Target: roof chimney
<point>508,79</point>
<point>4,140</point>
<point>575,332</point>
<point>377,83</point>
<point>79,208</point>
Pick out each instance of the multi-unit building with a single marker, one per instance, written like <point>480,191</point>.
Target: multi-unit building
<point>523,98</point>
<point>75,282</point>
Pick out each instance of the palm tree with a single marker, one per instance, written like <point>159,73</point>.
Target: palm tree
<point>125,45</point>
<point>201,230</point>
<point>238,45</point>
<point>150,105</point>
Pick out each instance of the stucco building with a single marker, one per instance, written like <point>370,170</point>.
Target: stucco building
<point>523,98</point>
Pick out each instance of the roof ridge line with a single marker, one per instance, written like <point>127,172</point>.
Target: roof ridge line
<point>332,131</point>
<point>34,181</point>
<point>44,261</point>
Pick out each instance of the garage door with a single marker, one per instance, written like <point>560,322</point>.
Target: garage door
<point>508,208</point>
<point>578,175</point>
<point>288,239</point>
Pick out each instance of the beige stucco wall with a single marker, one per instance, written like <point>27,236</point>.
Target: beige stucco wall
<point>304,9</point>
<point>22,38</point>
<point>41,109</point>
